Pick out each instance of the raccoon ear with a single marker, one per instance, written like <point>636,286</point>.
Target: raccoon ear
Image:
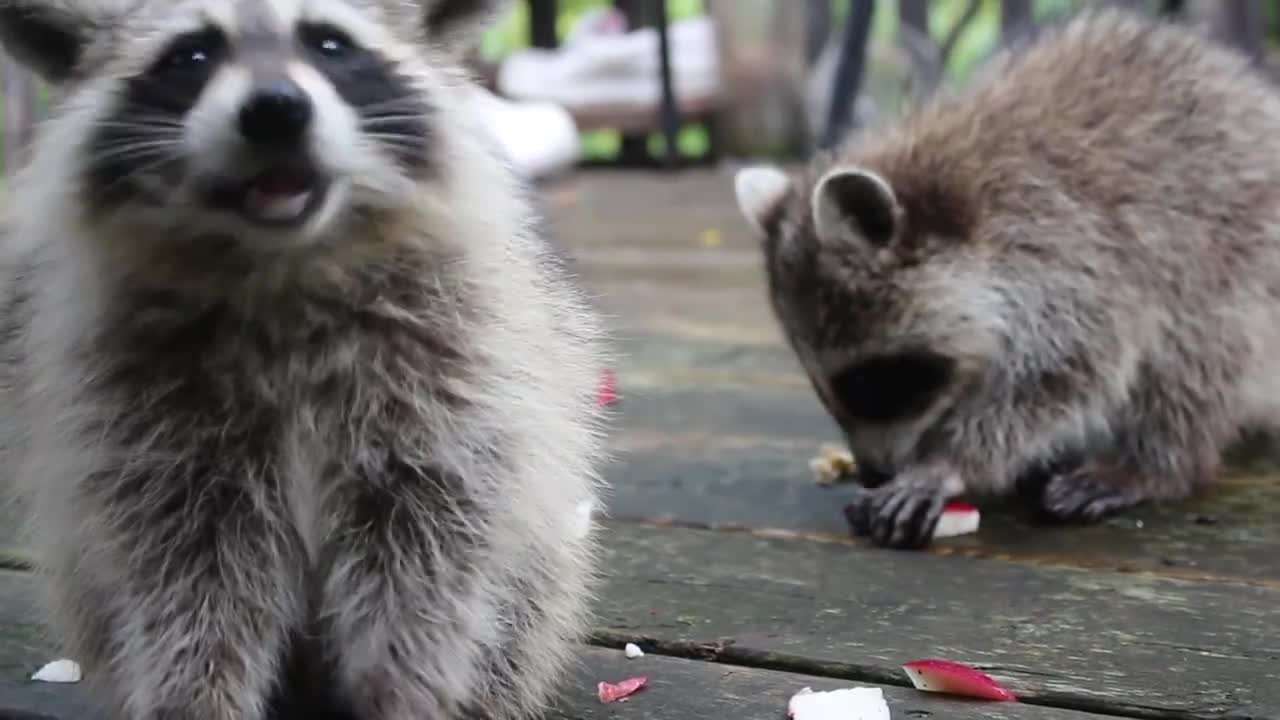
<point>852,201</point>
<point>760,191</point>
<point>454,24</point>
<point>45,36</point>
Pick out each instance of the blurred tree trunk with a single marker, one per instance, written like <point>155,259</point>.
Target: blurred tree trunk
<point>1016,21</point>
<point>849,71</point>
<point>914,14</point>
<point>1243,24</point>
<point>542,23</point>
<point>930,58</point>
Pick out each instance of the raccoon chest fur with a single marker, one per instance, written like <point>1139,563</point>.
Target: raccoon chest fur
<point>329,396</point>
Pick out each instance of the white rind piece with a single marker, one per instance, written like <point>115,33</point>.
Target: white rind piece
<point>860,703</point>
<point>633,651</point>
<point>59,671</point>
<point>957,522</point>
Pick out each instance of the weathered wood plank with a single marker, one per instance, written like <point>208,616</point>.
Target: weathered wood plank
<point>684,689</point>
<point>1140,645</point>
<point>679,688</point>
<point>1129,644</point>
<point>731,447</point>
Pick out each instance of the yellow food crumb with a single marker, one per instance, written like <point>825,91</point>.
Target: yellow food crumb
<point>832,465</point>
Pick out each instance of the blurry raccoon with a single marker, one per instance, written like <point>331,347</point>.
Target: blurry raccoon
<point>1073,265</point>
<point>301,404</point>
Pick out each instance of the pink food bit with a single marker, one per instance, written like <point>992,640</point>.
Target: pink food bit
<point>958,518</point>
<point>611,692</point>
<point>607,390</point>
<point>953,678</point>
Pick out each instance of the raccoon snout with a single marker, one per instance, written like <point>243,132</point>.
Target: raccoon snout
<point>277,112</point>
<point>893,387</point>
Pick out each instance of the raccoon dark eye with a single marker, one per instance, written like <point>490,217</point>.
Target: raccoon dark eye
<point>326,40</point>
<point>192,51</point>
<point>892,387</point>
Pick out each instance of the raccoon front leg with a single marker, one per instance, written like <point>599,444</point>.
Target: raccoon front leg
<point>540,623</point>
<point>1166,447</point>
<point>404,606</point>
<point>189,587</point>
<point>903,513</point>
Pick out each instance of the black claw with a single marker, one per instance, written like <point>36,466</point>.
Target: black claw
<point>923,521</point>
<point>855,513</point>
<point>858,513</point>
<point>1079,498</point>
<point>886,515</point>
<point>895,516</point>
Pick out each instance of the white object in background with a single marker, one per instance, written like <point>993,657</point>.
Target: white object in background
<point>538,138</point>
<point>59,671</point>
<point>861,703</point>
<point>605,72</point>
<point>633,651</point>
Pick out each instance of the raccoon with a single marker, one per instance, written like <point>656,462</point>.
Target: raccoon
<point>1068,271</point>
<point>300,404</point>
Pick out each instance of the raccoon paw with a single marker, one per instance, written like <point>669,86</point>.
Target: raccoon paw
<point>899,515</point>
<point>1087,495</point>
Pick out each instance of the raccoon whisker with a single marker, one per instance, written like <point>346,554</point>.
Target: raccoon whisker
<point>407,103</point>
<point>141,122</point>
<point>134,174</point>
<point>381,120</point>
<point>126,150</point>
<point>398,142</point>
<point>391,136</point>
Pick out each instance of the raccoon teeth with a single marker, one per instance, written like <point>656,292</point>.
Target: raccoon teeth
<point>277,207</point>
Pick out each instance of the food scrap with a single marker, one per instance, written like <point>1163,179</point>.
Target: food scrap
<point>832,465</point>
<point>861,703</point>
<point>59,671</point>
<point>633,651</point>
<point>617,692</point>
<point>607,390</point>
<point>953,678</point>
<point>958,518</point>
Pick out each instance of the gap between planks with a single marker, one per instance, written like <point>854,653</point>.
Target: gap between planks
<point>974,553</point>
<point>730,655</point>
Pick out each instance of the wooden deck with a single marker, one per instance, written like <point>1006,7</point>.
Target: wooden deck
<point>735,573</point>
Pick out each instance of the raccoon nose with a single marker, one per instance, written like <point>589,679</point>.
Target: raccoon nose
<point>278,111</point>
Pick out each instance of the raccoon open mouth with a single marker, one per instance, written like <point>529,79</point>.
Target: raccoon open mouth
<point>278,196</point>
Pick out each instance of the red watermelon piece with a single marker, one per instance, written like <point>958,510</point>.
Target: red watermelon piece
<point>613,692</point>
<point>953,678</point>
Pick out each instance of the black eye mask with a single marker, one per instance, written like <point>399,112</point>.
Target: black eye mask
<point>892,387</point>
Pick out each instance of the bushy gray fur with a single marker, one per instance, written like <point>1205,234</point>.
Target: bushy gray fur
<point>338,480</point>
<point>1070,270</point>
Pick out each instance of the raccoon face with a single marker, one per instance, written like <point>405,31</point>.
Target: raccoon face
<point>260,119</point>
<point>876,318</point>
